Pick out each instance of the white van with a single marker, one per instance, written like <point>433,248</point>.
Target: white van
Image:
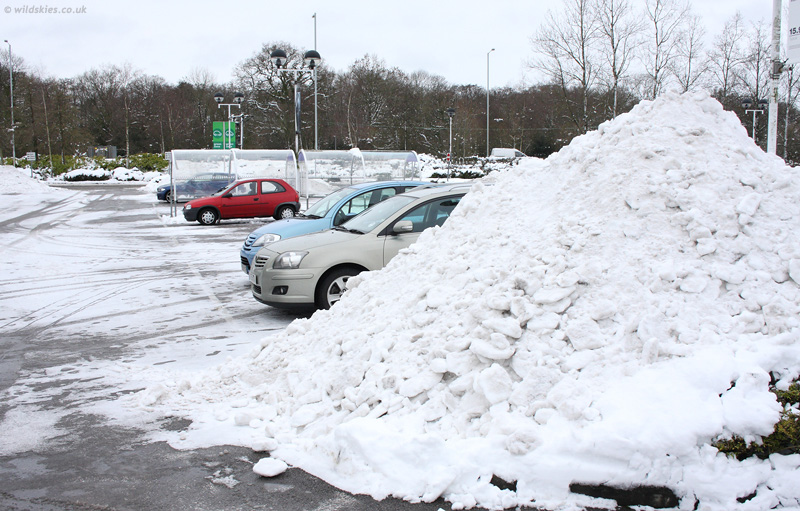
<point>505,152</point>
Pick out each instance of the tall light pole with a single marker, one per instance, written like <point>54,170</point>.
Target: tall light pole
<point>775,76</point>
<point>487,101</point>
<point>311,60</point>
<point>450,113</point>
<point>11,84</point>
<point>316,138</point>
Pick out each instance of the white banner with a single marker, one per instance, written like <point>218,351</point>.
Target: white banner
<point>793,50</point>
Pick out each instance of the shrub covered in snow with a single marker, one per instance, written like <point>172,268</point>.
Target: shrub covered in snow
<point>94,174</point>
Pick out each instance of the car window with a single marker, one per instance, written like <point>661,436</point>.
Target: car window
<point>244,189</point>
<point>372,217</point>
<point>322,206</point>
<point>362,201</point>
<point>270,187</point>
<point>431,213</point>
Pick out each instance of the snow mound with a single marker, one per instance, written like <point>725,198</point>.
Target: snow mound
<point>18,181</point>
<point>598,317</point>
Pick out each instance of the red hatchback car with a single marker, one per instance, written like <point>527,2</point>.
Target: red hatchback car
<point>247,198</point>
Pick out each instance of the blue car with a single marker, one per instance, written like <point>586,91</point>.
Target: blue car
<point>201,185</point>
<point>327,213</point>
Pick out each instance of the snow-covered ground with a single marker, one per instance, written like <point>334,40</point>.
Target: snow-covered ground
<point>598,317</point>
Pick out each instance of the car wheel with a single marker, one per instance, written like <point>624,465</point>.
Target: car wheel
<point>207,216</point>
<point>333,286</point>
<point>168,197</point>
<point>284,212</point>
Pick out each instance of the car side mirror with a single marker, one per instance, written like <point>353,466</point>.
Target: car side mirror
<point>227,195</point>
<point>403,226</point>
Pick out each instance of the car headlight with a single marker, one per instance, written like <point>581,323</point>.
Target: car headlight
<point>188,206</point>
<point>289,260</point>
<point>267,238</point>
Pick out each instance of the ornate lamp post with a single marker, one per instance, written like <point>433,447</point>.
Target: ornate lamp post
<point>311,60</point>
<point>747,104</point>
<point>238,99</point>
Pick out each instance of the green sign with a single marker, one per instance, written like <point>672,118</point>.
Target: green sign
<point>224,135</point>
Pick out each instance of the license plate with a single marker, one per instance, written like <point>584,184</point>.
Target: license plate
<point>253,278</point>
<point>245,268</point>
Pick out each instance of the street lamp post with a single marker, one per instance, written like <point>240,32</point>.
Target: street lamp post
<point>747,105</point>
<point>450,113</point>
<point>11,85</point>
<point>311,60</point>
<point>238,99</point>
<point>316,138</point>
<point>487,101</point>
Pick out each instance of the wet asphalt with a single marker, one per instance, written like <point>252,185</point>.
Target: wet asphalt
<point>91,463</point>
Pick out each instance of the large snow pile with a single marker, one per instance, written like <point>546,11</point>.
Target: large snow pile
<point>19,182</point>
<point>599,317</point>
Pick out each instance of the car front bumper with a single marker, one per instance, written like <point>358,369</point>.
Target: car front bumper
<point>190,214</point>
<point>286,289</point>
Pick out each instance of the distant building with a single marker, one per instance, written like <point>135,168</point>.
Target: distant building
<point>103,151</point>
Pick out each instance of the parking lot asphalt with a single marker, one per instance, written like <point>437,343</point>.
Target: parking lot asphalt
<point>102,273</point>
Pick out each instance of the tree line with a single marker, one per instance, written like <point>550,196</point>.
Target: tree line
<point>596,59</point>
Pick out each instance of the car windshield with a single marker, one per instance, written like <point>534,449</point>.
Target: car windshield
<point>221,191</point>
<point>372,217</point>
<point>322,206</point>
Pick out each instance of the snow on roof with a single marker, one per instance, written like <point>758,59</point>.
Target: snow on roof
<point>597,317</point>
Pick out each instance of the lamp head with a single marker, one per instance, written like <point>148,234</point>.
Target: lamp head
<point>238,98</point>
<point>279,58</point>
<point>218,97</point>
<point>312,58</point>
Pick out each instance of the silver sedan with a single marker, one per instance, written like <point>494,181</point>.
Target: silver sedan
<point>311,272</point>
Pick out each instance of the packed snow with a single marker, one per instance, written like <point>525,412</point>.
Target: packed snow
<point>602,316</point>
<point>18,181</point>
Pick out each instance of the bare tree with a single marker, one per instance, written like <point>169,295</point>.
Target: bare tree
<point>270,94</point>
<point>689,67</point>
<point>726,57</point>
<point>665,21</point>
<point>754,73</point>
<point>564,44</point>
<point>619,29</point>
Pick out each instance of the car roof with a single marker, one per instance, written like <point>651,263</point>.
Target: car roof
<point>426,190</point>
<point>382,184</point>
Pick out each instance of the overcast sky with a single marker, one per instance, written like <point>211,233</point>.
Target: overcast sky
<point>171,38</point>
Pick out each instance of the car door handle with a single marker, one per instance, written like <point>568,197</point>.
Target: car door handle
<point>255,199</point>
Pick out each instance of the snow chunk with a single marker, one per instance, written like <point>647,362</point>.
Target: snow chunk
<point>496,347</point>
<point>270,467</point>
<point>584,334</point>
<point>553,295</point>
<point>494,383</point>
<point>506,326</point>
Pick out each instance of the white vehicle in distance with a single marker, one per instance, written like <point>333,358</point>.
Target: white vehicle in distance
<point>311,272</point>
